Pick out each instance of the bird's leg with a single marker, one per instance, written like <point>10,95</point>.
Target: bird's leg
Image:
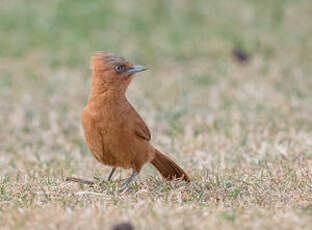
<point>128,181</point>
<point>111,174</point>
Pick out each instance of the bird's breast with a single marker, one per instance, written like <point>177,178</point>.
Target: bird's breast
<point>108,136</point>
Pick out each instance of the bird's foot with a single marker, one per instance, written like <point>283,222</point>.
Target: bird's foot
<point>125,186</point>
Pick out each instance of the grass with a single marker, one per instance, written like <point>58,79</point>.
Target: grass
<point>242,131</point>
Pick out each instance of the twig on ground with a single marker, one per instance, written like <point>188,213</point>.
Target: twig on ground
<point>78,180</point>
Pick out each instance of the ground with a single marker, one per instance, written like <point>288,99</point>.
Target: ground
<point>242,130</point>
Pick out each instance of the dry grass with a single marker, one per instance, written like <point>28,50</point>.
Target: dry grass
<point>243,132</point>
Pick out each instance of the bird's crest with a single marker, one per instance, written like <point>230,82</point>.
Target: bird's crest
<point>101,59</point>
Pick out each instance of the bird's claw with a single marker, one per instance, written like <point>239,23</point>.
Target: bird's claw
<point>125,186</point>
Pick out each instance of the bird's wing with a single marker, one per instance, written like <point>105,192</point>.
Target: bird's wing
<point>141,129</point>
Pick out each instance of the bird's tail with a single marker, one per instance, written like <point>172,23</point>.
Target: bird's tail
<point>167,168</point>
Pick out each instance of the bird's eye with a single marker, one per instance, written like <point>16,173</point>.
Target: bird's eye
<point>118,68</point>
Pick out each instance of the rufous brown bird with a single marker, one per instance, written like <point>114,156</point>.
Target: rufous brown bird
<point>115,133</point>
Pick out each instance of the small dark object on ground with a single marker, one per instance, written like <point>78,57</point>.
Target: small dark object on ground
<point>240,55</point>
<point>122,226</point>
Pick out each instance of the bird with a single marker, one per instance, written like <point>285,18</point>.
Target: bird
<point>115,133</point>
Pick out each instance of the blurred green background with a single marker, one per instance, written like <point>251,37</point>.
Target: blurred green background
<point>69,31</point>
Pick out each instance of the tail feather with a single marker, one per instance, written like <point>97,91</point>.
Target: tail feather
<point>167,168</point>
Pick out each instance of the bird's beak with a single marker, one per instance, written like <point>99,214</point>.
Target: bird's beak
<point>136,68</point>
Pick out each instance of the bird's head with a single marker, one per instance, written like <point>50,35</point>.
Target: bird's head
<point>113,71</point>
